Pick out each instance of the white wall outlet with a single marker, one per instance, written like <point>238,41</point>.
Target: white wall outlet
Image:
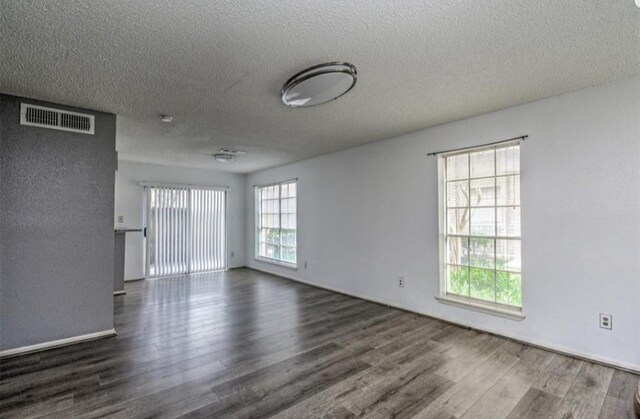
<point>232,253</point>
<point>401,281</point>
<point>305,264</point>
<point>121,218</point>
<point>606,321</point>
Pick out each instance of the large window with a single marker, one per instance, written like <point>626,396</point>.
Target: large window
<point>481,220</point>
<point>276,239</point>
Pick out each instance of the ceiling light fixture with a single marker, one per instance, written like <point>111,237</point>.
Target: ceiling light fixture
<point>166,118</point>
<point>224,158</point>
<point>319,84</point>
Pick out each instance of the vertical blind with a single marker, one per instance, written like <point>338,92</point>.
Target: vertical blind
<point>186,230</point>
<point>208,235</point>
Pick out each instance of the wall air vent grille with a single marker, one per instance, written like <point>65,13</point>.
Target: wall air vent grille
<point>40,116</point>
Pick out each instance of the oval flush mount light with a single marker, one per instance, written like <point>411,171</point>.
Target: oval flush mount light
<point>224,158</point>
<point>319,84</point>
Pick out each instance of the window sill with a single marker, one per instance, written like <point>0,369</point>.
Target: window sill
<point>506,313</point>
<point>277,263</point>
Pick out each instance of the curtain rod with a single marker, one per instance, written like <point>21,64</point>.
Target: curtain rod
<point>521,137</point>
<point>184,186</point>
<point>295,179</point>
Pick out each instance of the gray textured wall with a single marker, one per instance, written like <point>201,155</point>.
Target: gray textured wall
<point>56,228</point>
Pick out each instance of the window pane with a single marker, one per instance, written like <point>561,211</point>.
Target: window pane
<point>262,251</point>
<point>273,251</point>
<point>458,280</point>
<point>288,237</point>
<point>483,221</point>
<point>508,190</point>
<point>288,254</point>
<point>483,192</point>
<point>483,284</point>
<point>458,250</point>
<point>284,191</point>
<point>292,221</point>
<point>288,206</point>
<point>273,236</point>
<point>509,288</point>
<point>457,167</point>
<point>458,194</point>
<point>508,255</point>
<point>482,163</point>
<point>458,221</point>
<point>509,221</point>
<point>292,189</point>
<point>508,160</point>
<point>482,253</point>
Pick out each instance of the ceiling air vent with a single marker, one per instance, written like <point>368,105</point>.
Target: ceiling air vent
<point>39,116</point>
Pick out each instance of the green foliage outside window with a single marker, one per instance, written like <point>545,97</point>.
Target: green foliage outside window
<point>481,284</point>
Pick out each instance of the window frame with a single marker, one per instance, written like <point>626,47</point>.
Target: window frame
<point>468,302</point>
<point>258,222</point>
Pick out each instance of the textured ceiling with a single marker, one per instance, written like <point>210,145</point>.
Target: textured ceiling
<point>217,66</point>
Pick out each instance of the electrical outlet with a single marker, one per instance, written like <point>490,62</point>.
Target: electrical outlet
<point>121,218</point>
<point>232,253</point>
<point>401,281</point>
<point>305,264</point>
<point>606,321</point>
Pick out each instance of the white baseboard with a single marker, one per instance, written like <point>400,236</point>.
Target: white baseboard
<point>542,345</point>
<point>56,343</point>
<point>121,292</point>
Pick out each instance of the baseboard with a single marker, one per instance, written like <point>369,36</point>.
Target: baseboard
<point>537,344</point>
<point>56,343</point>
<point>121,292</point>
<point>133,279</point>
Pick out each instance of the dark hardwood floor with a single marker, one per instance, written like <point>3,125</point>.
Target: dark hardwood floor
<point>246,344</point>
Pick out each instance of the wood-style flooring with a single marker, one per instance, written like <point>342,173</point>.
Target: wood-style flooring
<point>247,344</point>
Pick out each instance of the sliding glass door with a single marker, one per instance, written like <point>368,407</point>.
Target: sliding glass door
<point>186,230</point>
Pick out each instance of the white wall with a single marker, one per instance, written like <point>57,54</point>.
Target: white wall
<point>370,214</point>
<point>129,203</point>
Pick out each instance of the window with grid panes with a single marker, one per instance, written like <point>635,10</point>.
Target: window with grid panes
<point>482,225</point>
<point>277,222</point>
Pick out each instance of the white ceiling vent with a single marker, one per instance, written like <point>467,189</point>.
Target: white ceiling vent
<point>40,116</point>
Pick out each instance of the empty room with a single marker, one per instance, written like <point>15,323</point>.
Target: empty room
<point>320,209</point>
